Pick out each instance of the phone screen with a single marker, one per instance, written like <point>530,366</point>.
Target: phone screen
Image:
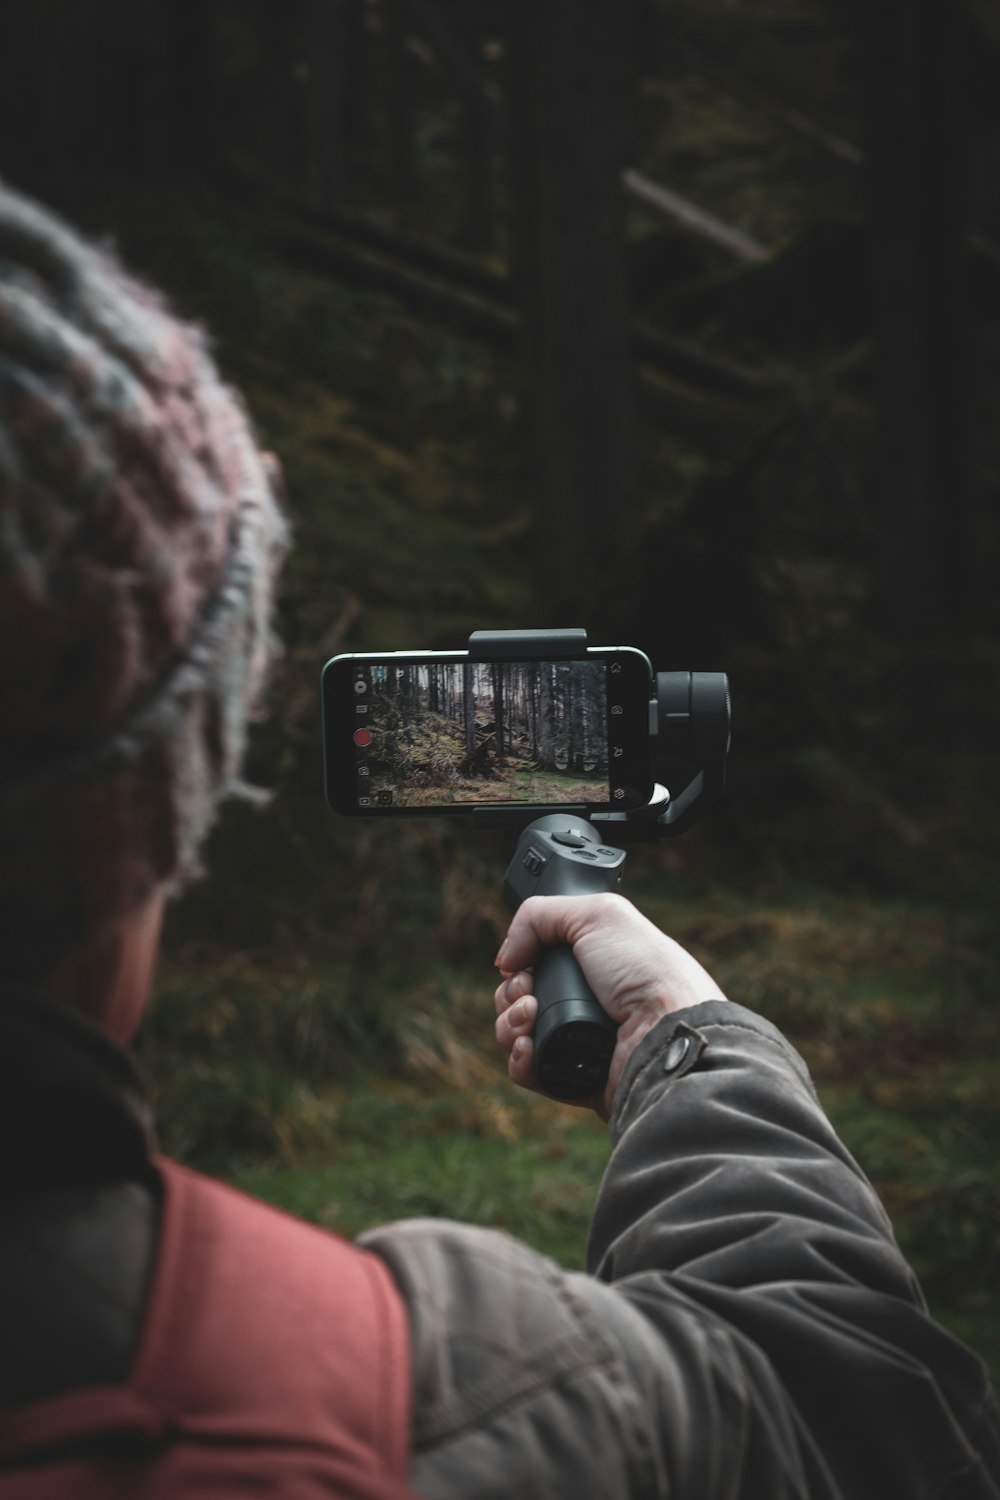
<point>410,733</point>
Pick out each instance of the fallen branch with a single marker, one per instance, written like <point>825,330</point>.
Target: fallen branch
<point>688,215</point>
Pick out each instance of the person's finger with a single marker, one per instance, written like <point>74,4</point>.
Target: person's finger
<point>521,1063</point>
<point>516,1021</point>
<point>541,921</point>
<point>511,988</point>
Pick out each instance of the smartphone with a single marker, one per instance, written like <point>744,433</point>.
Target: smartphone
<point>433,731</point>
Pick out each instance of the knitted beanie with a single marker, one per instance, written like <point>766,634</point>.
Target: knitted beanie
<point>140,541</point>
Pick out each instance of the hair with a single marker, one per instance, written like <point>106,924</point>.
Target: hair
<point>140,541</point>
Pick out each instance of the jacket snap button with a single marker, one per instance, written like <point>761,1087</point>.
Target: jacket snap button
<point>676,1053</point>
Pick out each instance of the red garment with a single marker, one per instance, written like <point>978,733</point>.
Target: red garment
<point>274,1360</point>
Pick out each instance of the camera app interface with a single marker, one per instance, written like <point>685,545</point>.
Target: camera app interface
<point>490,732</point>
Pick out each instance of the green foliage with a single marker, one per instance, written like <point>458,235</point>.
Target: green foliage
<point>486,1170</point>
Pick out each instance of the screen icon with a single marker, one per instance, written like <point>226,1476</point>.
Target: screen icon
<point>364,802</point>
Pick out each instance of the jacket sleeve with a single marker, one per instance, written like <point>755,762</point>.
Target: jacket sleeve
<point>748,1327</point>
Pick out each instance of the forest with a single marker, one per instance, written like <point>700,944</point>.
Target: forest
<point>681,325</point>
<point>497,732</point>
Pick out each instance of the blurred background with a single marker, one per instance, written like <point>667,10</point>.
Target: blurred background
<point>679,321</point>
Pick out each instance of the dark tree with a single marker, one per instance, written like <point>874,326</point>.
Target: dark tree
<point>93,92</point>
<point>401,101</point>
<point>913,68</point>
<point>570,87</point>
<point>326,51</point>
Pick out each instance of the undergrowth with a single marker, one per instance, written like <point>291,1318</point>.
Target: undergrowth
<point>365,1087</point>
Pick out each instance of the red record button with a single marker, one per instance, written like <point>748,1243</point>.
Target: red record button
<point>362,737</point>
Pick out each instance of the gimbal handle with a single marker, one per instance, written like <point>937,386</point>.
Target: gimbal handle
<point>562,855</point>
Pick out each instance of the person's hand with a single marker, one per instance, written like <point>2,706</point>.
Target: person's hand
<point>637,973</point>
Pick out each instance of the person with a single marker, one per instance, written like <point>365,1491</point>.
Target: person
<point>747,1325</point>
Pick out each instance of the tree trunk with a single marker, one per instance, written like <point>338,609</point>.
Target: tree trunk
<point>499,708</point>
<point>469,705</point>
<point>401,115</point>
<point>570,84</point>
<point>531,693</point>
<point>356,78</point>
<point>575,737</point>
<point>546,756</point>
<point>917,214</point>
<point>282,126</point>
<point>326,42</point>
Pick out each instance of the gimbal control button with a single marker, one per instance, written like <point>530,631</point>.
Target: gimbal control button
<point>571,840</point>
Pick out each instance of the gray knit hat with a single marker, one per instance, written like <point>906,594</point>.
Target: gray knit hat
<point>140,541</point>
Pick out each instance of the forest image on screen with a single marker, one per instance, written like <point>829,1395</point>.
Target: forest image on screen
<point>485,732</point>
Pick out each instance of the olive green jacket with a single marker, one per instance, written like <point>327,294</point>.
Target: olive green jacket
<point>748,1328</point>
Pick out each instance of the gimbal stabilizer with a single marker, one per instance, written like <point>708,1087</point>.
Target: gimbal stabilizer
<point>564,853</point>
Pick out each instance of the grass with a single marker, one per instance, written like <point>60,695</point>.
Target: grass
<point>487,1160</point>
<point>540,786</point>
<point>517,784</point>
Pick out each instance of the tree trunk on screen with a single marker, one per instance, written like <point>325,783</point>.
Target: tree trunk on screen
<point>499,709</point>
<point>531,693</point>
<point>469,708</point>
<point>546,752</point>
<point>575,737</point>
